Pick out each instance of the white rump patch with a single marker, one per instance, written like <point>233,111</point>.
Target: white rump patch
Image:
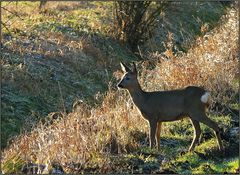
<point>205,96</point>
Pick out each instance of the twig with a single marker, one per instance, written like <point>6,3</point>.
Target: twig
<point>5,26</point>
<point>14,13</point>
<point>232,111</point>
<point>6,4</point>
<point>1,27</point>
<point>140,52</point>
<point>60,90</point>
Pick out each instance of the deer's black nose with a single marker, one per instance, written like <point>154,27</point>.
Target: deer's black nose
<point>119,86</point>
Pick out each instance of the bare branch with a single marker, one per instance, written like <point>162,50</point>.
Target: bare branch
<point>135,19</point>
<point>5,26</point>
<point>13,13</point>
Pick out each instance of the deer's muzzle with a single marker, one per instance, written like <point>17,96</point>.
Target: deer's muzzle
<point>120,85</point>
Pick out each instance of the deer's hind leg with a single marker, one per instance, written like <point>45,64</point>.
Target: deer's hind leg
<point>158,134</point>
<point>202,117</point>
<point>197,133</point>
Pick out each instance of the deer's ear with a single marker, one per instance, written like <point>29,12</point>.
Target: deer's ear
<point>134,68</point>
<point>124,67</point>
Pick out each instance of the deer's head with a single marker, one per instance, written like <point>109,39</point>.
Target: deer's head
<point>129,79</point>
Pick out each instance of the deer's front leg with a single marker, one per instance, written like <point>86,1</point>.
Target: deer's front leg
<point>158,134</point>
<point>152,132</point>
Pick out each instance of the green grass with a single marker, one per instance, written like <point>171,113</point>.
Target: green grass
<point>39,35</point>
<point>14,165</point>
<point>192,163</point>
<point>33,66</point>
<point>185,28</point>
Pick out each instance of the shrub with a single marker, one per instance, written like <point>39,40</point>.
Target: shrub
<point>135,21</point>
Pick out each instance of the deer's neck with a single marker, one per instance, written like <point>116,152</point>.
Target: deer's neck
<point>137,95</point>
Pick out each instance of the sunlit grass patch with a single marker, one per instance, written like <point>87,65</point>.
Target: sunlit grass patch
<point>195,163</point>
<point>182,163</point>
<point>229,166</point>
<point>209,145</point>
<point>12,165</point>
<point>80,18</point>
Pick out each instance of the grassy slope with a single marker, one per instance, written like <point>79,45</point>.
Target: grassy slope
<point>36,54</point>
<point>61,49</point>
<point>73,34</point>
<point>181,30</point>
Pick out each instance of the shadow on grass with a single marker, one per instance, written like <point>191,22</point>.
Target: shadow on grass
<point>36,83</point>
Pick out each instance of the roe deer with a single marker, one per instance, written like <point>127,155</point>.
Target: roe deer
<point>164,106</point>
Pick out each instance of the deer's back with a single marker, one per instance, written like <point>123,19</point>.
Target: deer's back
<point>171,104</point>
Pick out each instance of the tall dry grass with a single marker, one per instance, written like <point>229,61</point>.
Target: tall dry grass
<point>88,137</point>
<point>82,139</point>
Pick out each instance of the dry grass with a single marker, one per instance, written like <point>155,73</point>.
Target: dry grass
<point>84,138</point>
<point>89,136</point>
